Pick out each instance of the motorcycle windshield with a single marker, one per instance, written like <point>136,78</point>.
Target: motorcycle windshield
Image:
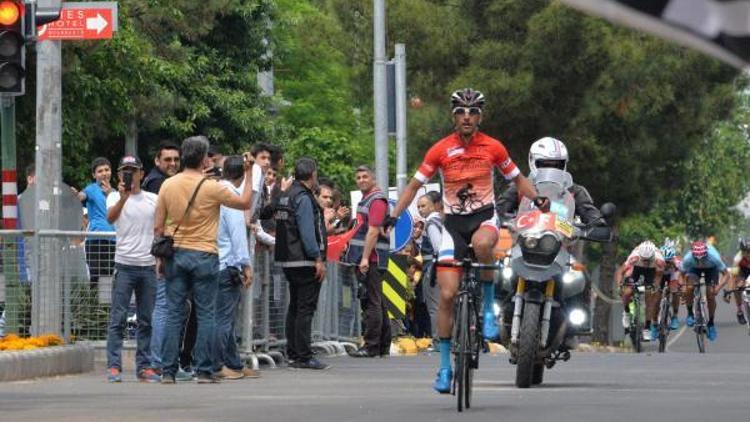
<point>552,184</point>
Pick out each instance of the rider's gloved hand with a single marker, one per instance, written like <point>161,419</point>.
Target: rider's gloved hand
<point>389,222</point>
<point>542,203</point>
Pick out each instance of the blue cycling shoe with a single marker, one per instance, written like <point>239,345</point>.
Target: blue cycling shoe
<point>690,321</point>
<point>712,333</point>
<point>675,323</point>
<point>490,330</point>
<point>654,332</point>
<point>443,381</point>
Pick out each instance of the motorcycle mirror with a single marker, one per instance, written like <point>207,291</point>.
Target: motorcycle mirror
<point>608,210</point>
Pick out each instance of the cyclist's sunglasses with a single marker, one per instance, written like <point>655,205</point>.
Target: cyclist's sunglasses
<point>462,111</point>
<point>171,159</point>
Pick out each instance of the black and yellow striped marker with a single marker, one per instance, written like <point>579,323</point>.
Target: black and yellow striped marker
<point>395,286</point>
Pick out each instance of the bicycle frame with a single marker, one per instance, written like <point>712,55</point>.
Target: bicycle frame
<point>699,308</point>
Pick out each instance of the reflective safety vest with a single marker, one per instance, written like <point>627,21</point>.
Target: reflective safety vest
<point>357,244</point>
<point>289,251</point>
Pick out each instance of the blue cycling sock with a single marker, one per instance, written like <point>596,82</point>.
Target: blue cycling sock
<point>488,296</point>
<point>445,353</point>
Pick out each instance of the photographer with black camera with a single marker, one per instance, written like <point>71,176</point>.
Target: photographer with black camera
<point>131,210</point>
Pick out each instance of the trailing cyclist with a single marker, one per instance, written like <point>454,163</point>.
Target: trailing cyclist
<point>740,273</point>
<point>703,260</point>
<point>466,160</point>
<point>673,277</point>
<point>644,261</point>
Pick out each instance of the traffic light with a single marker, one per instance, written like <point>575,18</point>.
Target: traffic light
<point>12,47</point>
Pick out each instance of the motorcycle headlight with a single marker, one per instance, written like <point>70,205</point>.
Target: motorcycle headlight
<point>548,244</point>
<point>540,250</point>
<point>530,242</point>
<point>507,273</point>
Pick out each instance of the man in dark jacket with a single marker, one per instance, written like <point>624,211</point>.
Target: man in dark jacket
<point>544,153</point>
<point>301,252</point>
<point>166,164</point>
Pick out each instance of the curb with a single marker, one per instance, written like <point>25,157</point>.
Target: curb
<point>46,362</point>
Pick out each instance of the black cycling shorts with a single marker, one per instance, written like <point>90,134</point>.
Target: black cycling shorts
<point>711,275</point>
<point>458,230</point>
<point>648,275</point>
<point>744,273</point>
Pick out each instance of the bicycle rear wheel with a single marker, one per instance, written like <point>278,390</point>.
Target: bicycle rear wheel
<point>462,346</point>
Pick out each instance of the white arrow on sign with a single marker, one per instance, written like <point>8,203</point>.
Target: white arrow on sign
<point>98,23</point>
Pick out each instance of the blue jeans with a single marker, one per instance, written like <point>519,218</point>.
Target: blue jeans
<point>158,321</point>
<point>198,272</point>
<point>142,280</point>
<point>227,303</point>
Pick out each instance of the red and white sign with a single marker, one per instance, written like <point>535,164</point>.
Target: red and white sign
<point>80,24</point>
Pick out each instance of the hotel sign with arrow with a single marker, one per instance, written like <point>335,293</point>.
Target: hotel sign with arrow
<point>82,21</point>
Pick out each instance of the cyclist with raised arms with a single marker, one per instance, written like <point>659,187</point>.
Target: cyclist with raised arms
<point>703,260</point>
<point>645,260</point>
<point>466,160</point>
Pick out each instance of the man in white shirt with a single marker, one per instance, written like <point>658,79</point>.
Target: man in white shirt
<point>131,210</point>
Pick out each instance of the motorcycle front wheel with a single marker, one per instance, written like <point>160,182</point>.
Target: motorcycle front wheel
<point>528,345</point>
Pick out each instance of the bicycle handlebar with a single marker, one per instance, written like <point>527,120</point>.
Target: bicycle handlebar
<point>469,264</point>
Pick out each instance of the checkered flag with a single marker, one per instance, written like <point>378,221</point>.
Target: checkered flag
<point>719,28</point>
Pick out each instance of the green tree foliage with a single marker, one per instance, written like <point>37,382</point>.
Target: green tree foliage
<point>174,68</point>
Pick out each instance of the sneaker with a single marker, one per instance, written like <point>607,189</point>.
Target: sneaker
<point>674,324</point>
<point>313,363</point>
<point>625,320</point>
<point>148,375</point>
<point>167,378</point>
<point>654,334</point>
<point>230,374</point>
<point>690,320</point>
<point>207,379</point>
<point>711,333</point>
<point>250,373</point>
<point>646,335</point>
<point>443,381</point>
<point>741,318</point>
<point>489,327</point>
<point>113,375</point>
<point>182,376</point>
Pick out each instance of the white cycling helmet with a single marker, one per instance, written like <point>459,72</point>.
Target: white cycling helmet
<point>646,250</point>
<point>546,151</point>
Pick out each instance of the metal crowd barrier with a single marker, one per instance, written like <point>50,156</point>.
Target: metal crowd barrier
<point>52,282</point>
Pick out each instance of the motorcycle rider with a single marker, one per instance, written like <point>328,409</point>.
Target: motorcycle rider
<point>549,152</point>
<point>674,277</point>
<point>704,260</point>
<point>647,261</point>
<point>740,272</point>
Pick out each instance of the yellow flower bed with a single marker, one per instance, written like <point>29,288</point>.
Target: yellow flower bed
<point>13,342</point>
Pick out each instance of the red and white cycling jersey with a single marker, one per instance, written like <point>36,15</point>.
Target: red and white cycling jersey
<point>635,261</point>
<point>468,168</point>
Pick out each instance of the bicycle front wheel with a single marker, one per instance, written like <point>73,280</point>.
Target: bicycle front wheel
<point>636,329</point>
<point>664,322</point>
<point>462,377</point>
<point>700,330</point>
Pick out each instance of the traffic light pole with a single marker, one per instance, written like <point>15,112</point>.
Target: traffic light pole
<point>46,315</point>
<point>14,293</point>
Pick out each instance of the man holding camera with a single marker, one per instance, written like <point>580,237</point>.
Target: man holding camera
<point>131,211</point>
